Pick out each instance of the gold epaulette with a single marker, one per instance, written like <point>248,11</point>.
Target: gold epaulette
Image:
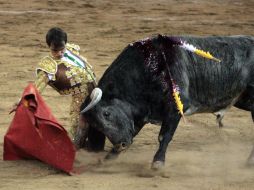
<point>47,64</point>
<point>73,48</point>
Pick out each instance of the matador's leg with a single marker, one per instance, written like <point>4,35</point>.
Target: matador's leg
<point>75,112</point>
<point>79,127</point>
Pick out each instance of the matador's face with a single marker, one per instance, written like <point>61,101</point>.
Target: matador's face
<point>57,51</point>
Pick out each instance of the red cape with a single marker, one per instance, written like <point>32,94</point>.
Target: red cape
<point>34,133</point>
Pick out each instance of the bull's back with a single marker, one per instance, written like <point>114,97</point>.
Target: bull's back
<point>210,85</point>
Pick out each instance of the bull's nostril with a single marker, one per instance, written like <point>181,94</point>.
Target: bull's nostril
<point>123,144</point>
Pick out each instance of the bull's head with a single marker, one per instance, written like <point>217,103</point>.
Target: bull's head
<point>113,117</point>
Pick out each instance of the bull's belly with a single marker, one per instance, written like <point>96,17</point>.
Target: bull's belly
<point>217,108</point>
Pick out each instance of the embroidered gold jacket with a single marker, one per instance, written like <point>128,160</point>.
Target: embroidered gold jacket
<point>64,77</point>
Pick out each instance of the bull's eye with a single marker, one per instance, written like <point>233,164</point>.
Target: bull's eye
<point>106,114</point>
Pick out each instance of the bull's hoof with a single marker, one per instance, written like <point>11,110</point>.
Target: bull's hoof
<point>250,162</point>
<point>157,165</point>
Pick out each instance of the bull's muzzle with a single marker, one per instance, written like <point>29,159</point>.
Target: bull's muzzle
<point>95,98</point>
<point>120,147</point>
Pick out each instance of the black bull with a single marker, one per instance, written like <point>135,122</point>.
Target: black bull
<point>137,87</point>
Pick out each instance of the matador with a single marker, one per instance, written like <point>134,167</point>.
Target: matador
<point>67,72</point>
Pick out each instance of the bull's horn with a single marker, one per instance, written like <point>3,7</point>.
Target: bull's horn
<point>95,98</point>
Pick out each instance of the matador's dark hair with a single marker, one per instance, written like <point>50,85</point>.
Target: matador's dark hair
<point>56,36</point>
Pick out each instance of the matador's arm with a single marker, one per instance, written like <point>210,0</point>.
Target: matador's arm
<point>41,81</point>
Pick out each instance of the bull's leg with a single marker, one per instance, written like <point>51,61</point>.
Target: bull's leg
<point>250,160</point>
<point>96,140</point>
<point>88,137</point>
<point>246,102</point>
<point>219,117</point>
<point>167,131</point>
